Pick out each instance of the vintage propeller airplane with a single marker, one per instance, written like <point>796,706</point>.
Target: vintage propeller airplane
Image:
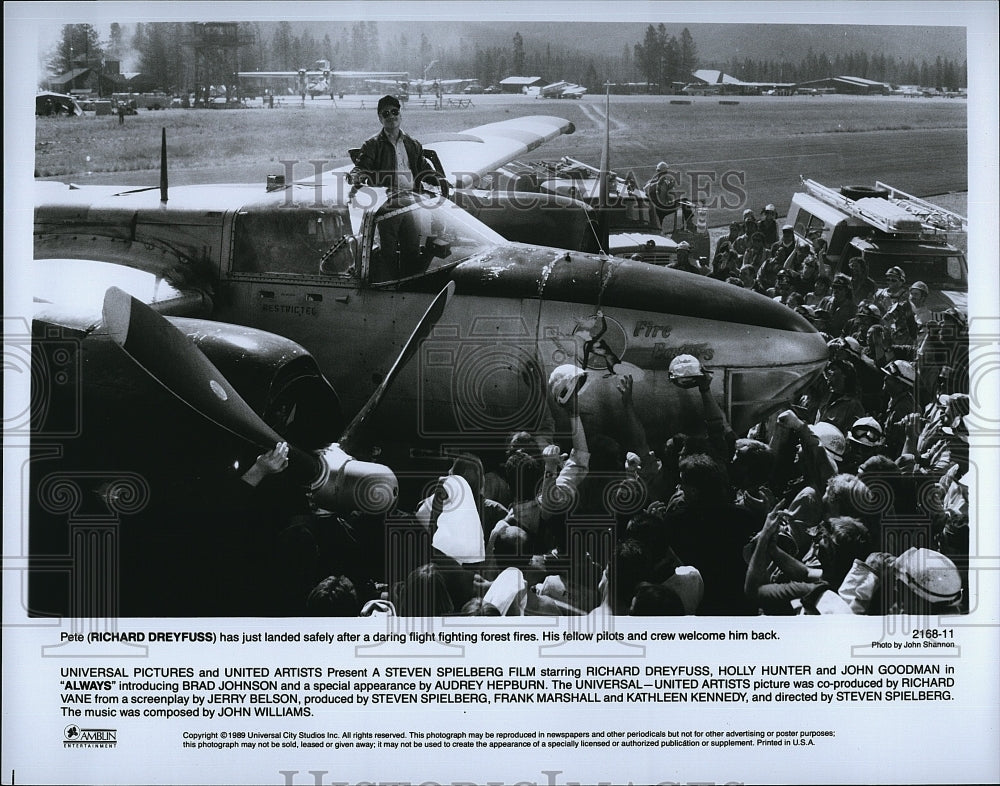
<point>423,85</point>
<point>562,89</point>
<point>316,286</point>
<point>307,262</point>
<point>318,80</point>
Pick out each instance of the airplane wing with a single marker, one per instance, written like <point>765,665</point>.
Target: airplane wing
<point>468,155</point>
<point>70,279</point>
<point>388,82</point>
<point>278,74</point>
<point>396,76</point>
<point>70,291</point>
<point>475,152</point>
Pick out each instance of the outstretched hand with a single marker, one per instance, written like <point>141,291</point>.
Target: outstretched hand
<point>270,463</point>
<point>625,389</point>
<point>788,419</point>
<point>275,460</point>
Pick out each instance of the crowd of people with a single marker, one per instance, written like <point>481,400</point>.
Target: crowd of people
<point>852,500</point>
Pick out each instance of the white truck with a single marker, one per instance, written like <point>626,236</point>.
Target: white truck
<point>887,228</point>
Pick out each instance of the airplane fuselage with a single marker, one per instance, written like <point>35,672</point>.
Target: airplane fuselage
<point>307,270</point>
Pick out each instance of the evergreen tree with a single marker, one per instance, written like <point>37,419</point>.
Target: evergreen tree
<point>689,53</point>
<point>648,55</point>
<point>116,43</point>
<point>79,47</point>
<point>281,47</point>
<point>518,57</point>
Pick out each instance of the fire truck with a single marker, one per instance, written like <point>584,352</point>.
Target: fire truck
<point>887,227</point>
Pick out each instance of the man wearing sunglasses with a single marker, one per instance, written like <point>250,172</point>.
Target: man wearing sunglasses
<point>390,159</point>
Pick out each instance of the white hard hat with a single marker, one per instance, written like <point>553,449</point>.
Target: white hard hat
<point>685,366</point>
<point>831,438</point>
<point>566,380</point>
<point>930,575</point>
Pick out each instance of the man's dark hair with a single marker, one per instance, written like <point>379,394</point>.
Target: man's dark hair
<point>756,459</point>
<point>524,475</point>
<point>655,600</point>
<point>334,596</point>
<point>630,566</point>
<point>706,475</point>
<point>512,548</point>
<point>387,101</point>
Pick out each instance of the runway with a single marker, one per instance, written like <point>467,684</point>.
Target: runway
<point>733,157</point>
<point>921,161</point>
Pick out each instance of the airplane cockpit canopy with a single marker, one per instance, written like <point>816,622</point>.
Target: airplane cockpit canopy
<point>424,233</point>
<point>414,235</point>
<point>272,239</point>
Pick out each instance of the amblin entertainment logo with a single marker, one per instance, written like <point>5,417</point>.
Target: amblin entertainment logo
<point>76,737</point>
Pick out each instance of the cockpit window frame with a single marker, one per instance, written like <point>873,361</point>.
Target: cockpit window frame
<point>419,202</point>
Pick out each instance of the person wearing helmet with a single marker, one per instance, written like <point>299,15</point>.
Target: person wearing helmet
<point>894,291</point>
<point>946,344</point>
<point>868,314</point>
<point>684,261</point>
<point>840,304</point>
<point>784,286</point>
<point>898,385</point>
<point>869,376</point>
<point>864,440</point>
<point>661,189</point>
<point>768,225</point>
<point>789,252</point>
<point>918,293</point>
<point>843,405</point>
<point>748,229</point>
<point>927,583</point>
<point>807,456</point>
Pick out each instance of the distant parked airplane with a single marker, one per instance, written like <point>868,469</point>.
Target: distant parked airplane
<point>317,80</point>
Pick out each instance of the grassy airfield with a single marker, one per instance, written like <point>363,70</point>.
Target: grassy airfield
<point>765,142</point>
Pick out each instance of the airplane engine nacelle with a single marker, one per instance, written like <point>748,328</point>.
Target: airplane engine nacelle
<point>535,218</point>
<point>352,485</point>
<point>276,377</point>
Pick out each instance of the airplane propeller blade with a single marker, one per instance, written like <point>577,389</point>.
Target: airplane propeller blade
<point>170,358</point>
<point>335,480</point>
<point>420,332</point>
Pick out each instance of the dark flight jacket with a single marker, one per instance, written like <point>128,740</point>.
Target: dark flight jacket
<point>377,160</point>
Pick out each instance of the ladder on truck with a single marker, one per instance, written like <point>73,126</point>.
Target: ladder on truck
<point>933,217</point>
<point>898,214</point>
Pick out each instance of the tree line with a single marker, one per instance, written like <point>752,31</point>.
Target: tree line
<point>941,73</point>
<point>164,52</point>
